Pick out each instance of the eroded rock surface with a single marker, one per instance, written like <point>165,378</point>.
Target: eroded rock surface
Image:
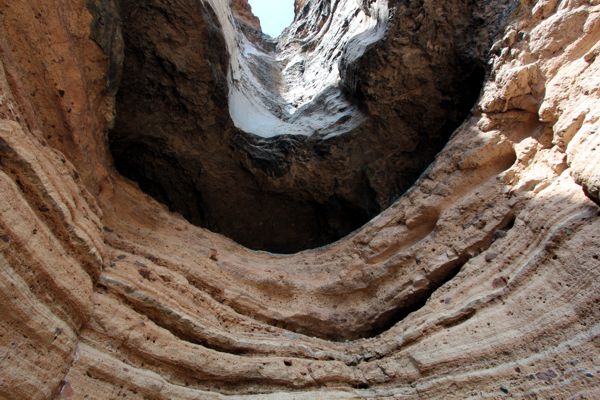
<point>376,121</point>
<point>480,281</point>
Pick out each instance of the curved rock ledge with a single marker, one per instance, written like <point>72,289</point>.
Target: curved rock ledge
<point>480,281</point>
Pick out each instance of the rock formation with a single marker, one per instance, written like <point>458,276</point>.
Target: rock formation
<point>451,147</point>
<point>376,126</point>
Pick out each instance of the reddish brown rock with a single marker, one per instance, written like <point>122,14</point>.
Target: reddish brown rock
<point>244,15</point>
<point>412,305</point>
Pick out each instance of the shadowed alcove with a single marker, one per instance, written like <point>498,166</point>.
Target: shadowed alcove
<point>292,143</point>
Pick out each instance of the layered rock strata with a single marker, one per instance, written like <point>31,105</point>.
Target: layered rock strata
<point>480,281</point>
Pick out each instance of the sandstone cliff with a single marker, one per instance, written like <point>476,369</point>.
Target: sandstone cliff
<point>464,171</point>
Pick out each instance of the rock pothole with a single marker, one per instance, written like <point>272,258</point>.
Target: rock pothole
<point>356,101</point>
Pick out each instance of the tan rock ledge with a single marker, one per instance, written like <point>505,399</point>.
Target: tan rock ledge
<point>479,281</point>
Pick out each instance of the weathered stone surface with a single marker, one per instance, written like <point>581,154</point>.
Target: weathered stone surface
<point>480,281</point>
<point>59,80</point>
<point>400,103</point>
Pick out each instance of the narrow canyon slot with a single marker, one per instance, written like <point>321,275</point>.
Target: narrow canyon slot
<point>274,16</point>
<point>291,143</point>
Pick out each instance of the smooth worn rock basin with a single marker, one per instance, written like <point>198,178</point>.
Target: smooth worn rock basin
<point>471,271</point>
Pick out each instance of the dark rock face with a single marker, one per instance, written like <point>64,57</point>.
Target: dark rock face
<point>174,136</point>
<point>106,32</point>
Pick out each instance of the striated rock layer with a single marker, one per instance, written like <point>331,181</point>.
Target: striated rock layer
<point>481,281</point>
<point>376,121</point>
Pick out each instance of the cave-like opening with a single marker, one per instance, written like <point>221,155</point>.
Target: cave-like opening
<point>274,15</point>
<point>394,105</point>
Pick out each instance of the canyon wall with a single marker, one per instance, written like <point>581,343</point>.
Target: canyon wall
<point>376,124</point>
<point>475,273</point>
